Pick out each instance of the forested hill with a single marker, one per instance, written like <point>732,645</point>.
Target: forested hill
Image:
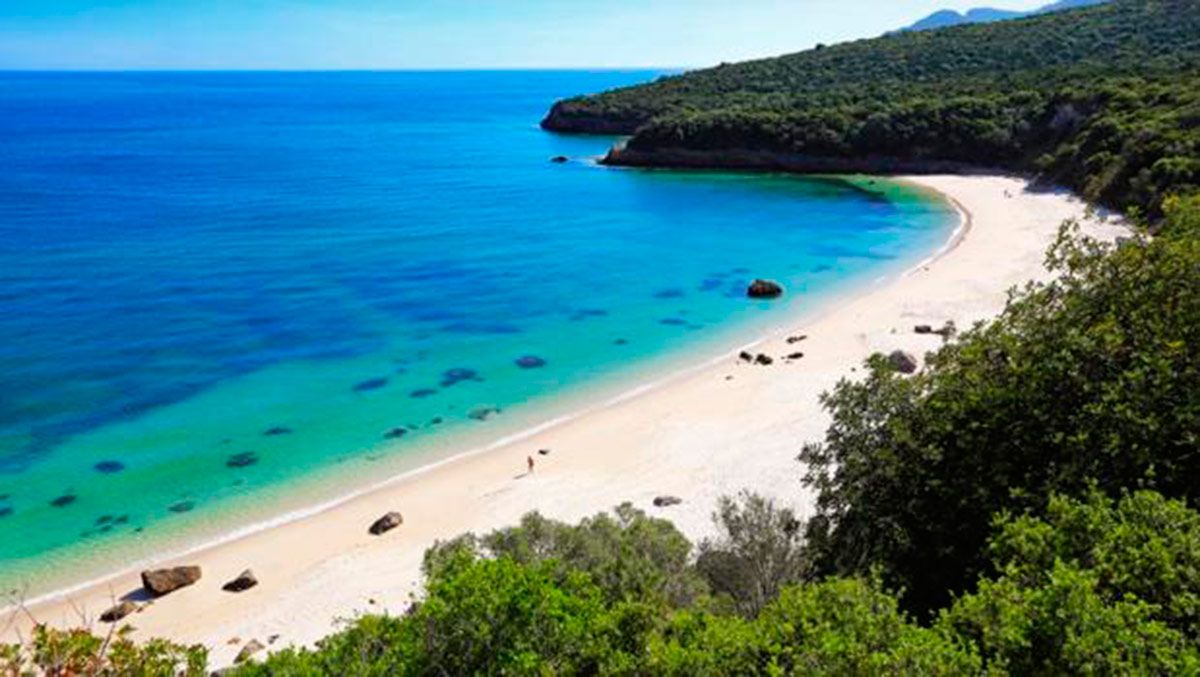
<point>1104,99</point>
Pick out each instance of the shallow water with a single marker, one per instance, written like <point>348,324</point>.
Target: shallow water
<point>216,287</point>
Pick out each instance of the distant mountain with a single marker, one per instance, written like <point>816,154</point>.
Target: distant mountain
<point>949,17</point>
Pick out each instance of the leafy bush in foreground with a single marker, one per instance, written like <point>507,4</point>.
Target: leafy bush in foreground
<point>1093,378</point>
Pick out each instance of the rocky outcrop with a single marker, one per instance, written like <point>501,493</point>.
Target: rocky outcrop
<point>904,362</point>
<point>386,523</point>
<point>243,582</point>
<point>667,501</point>
<point>116,613</point>
<point>559,159</point>
<point>574,117</point>
<point>764,360</point>
<point>252,647</point>
<point>764,289</point>
<point>159,582</point>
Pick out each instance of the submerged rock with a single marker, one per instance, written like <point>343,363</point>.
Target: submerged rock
<point>370,384</point>
<point>386,523</point>
<point>673,322</point>
<point>5,510</point>
<point>242,460</point>
<point>483,413</point>
<point>458,375</point>
<point>243,582</point>
<point>182,506</point>
<point>116,613</point>
<point>63,501</point>
<point>276,431</point>
<point>108,467</point>
<point>673,293</point>
<point>422,393</point>
<point>159,582</point>
<point>559,159</point>
<point>904,362</point>
<point>530,362</point>
<point>395,433</point>
<point>764,289</point>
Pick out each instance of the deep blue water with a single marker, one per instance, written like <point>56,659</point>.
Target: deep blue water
<point>213,283</point>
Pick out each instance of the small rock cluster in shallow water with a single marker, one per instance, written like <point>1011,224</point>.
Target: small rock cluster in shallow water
<point>242,460</point>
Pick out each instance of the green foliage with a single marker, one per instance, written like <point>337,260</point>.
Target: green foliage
<point>79,652</point>
<point>1094,587</point>
<point>1105,100</point>
<point>629,555</point>
<point>1092,377</point>
<point>760,549</point>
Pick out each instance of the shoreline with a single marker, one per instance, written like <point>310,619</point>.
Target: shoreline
<point>693,421</point>
<point>588,399</point>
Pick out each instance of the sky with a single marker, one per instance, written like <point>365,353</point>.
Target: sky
<point>435,34</point>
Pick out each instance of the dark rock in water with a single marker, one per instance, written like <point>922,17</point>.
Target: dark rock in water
<point>182,506</point>
<point>904,362</point>
<point>109,467</point>
<point>621,342</point>
<point>823,268</point>
<point>530,362</point>
<point>795,356</point>
<point>673,293</point>
<point>116,613</point>
<point>483,413</point>
<point>667,501</point>
<point>243,582</point>
<point>422,393</point>
<point>386,523</point>
<point>6,510</point>
<point>559,159</point>
<point>763,359</point>
<point>764,289</point>
<point>159,582</point>
<point>63,501</point>
<point>104,519</point>
<point>277,431</point>
<point>436,420</point>
<point>395,434</point>
<point>242,460</point>
<point>370,384</point>
<point>745,356</point>
<point>673,322</point>
<point>796,339</point>
<point>120,519</point>
<point>922,329</point>
<point>458,375</point>
<point>248,650</point>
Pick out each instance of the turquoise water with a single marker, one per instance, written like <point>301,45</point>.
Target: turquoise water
<point>225,295</point>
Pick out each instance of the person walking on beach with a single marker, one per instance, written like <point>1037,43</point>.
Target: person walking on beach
<point>529,461</point>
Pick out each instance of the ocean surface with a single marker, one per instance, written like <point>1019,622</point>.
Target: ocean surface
<point>225,295</point>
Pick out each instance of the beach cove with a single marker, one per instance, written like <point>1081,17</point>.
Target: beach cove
<point>709,431</point>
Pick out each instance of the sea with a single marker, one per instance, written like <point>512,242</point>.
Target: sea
<point>227,297</point>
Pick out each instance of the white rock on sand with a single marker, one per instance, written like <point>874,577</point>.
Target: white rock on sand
<point>698,436</point>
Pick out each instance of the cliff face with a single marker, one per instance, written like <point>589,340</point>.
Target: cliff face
<point>579,118</point>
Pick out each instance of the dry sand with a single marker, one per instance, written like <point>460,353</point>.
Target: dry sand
<point>714,431</point>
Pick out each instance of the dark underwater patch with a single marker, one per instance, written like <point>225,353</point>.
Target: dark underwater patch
<point>672,293</point>
<point>181,507</point>
<point>370,384</point>
<point>530,362</point>
<point>422,393</point>
<point>277,431</point>
<point>108,467</point>
<point>242,460</point>
<point>458,375</point>
<point>64,500</point>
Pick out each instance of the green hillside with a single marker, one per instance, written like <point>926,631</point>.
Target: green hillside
<point>1104,99</point>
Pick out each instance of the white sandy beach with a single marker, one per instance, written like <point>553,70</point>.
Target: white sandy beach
<point>727,427</point>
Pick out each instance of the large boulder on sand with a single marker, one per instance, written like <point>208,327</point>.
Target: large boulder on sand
<point>764,289</point>
<point>386,523</point>
<point>162,581</point>
<point>244,581</point>
<point>116,613</point>
<point>904,362</point>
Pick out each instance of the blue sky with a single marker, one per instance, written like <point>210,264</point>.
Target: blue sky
<point>341,34</point>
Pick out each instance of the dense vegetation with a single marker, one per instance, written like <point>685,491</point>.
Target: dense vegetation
<point>1105,100</point>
